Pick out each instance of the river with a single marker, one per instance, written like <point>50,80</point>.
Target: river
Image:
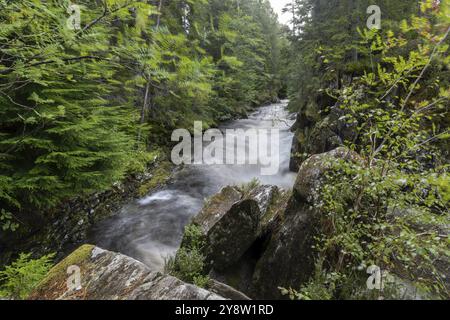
<point>150,229</point>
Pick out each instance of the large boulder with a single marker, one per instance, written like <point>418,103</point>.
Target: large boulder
<point>233,235</point>
<point>288,260</point>
<point>260,239</point>
<point>232,220</point>
<point>216,207</point>
<point>107,275</point>
<point>312,172</point>
<point>236,224</point>
<point>229,224</point>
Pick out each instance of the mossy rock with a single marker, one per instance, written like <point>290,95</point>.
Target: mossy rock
<point>106,275</point>
<point>313,171</point>
<point>159,177</point>
<point>55,284</point>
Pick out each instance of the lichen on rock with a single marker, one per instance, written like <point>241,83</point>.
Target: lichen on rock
<point>106,275</point>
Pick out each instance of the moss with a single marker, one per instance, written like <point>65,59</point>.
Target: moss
<point>159,176</point>
<point>57,275</point>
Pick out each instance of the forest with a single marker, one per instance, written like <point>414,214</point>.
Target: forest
<point>91,91</point>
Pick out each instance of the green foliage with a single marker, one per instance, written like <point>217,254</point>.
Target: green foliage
<point>189,262</point>
<point>23,275</point>
<point>81,109</point>
<point>7,221</point>
<point>391,208</point>
<point>62,134</point>
<point>320,287</point>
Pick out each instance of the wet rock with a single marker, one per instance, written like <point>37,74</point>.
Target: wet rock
<point>230,225</point>
<point>237,224</point>
<point>264,240</point>
<point>107,275</point>
<point>233,220</point>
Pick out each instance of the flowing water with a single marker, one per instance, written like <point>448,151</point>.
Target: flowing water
<point>150,229</point>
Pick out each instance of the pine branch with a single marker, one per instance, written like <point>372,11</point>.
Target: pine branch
<point>9,70</point>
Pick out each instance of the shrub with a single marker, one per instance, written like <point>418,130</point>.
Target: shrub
<point>23,275</point>
<point>189,263</point>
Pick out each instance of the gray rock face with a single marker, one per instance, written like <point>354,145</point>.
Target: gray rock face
<point>216,208</point>
<point>236,227</point>
<point>230,225</point>
<point>233,235</point>
<point>287,261</point>
<point>231,222</point>
<point>107,275</point>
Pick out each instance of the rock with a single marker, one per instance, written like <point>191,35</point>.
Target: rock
<point>315,134</point>
<point>226,291</point>
<point>313,170</point>
<point>232,222</point>
<point>236,225</point>
<point>260,239</point>
<point>107,275</point>
<point>230,225</point>
<point>266,197</point>
<point>288,260</point>
<point>216,207</point>
<point>324,136</point>
<point>231,236</point>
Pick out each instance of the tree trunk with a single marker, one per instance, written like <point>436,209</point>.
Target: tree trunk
<point>158,20</point>
<point>144,107</point>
